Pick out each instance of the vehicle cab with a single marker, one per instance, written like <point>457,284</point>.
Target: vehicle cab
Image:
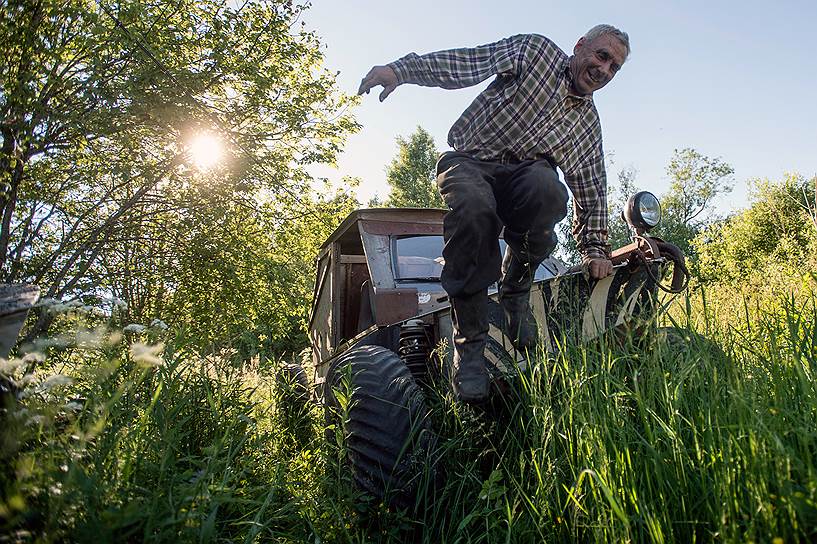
<point>380,267</point>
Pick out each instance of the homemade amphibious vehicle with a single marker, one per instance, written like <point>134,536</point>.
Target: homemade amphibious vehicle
<point>380,326</point>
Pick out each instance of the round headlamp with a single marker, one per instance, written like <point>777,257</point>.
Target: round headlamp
<point>643,211</point>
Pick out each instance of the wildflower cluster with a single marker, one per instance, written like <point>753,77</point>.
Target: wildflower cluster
<point>104,307</point>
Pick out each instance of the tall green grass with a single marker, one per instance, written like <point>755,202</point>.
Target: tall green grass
<point>703,438</point>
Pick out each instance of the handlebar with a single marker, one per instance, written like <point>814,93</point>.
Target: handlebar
<point>644,248</point>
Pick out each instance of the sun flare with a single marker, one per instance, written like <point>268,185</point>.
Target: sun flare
<point>206,150</point>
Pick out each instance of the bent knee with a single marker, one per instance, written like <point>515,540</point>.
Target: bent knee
<point>559,198</point>
<point>555,196</point>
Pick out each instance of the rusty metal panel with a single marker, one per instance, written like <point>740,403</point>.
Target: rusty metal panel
<point>394,305</point>
<point>400,228</point>
<point>378,255</point>
<point>396,215</point>
<point>539,307</point>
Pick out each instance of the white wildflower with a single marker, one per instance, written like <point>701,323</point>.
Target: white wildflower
<point>134,327</point>
<point>34,357</point>
<point>145,354</point>
<point>73,406</point>
<point>35,420</point>
<point>88,339</point>
<point>60,341</point>
<point>158,324</point>
<point>56,380</point>
<point>8,367</point>
<point>114,338</point>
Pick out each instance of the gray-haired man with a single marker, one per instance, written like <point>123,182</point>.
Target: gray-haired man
<point>538,114</point>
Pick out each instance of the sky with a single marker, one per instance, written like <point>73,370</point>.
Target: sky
<point>731,79</point>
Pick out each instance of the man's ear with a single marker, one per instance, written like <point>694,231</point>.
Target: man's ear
<point>579,44</point>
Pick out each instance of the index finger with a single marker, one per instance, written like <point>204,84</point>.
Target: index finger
<point>365,85</point>
<point>367,82</point>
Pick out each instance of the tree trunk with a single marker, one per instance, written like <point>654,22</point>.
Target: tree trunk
<point>11,170</point>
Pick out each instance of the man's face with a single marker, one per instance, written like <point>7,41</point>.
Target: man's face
<point>594,63</point>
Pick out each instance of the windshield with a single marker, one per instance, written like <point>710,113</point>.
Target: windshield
<point>420,258</point>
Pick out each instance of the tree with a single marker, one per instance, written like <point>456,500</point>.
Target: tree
<point>775,235</point>
<point>412,173</point>
<point>619,232</point>
<point>695,180</point>
<point>97,102</point>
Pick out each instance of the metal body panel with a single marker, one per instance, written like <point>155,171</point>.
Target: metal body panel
<point>417,216</point>
<point>394,305</point>
<point>377,249</point>
<point>394,228</point>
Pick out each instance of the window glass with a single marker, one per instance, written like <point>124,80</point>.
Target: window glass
<point>418,257</point>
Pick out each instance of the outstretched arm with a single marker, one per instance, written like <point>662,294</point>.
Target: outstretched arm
<point>452,68</point>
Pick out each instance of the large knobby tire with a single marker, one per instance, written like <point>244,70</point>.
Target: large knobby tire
<point>384,421</point>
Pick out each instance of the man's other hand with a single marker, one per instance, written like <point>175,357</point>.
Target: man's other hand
<point>598,268</point>
<point>379,75</point>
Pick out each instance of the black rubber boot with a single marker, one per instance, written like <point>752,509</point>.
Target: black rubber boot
<point>470,379</point>
<point>514,294</point>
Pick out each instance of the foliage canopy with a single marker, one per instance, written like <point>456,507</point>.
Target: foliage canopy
<point>776,235</point>
<point>98,105</point>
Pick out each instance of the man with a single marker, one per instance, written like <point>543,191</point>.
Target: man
<point>538,114</point>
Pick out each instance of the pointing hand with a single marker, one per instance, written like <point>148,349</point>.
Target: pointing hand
<point>379,75</point>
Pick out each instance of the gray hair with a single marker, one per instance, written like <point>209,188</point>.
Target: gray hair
<point>601,30</point>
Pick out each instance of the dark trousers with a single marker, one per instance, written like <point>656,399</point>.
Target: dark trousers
<point>526,198</point>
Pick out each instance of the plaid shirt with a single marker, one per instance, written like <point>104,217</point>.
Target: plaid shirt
<point>527,113</point>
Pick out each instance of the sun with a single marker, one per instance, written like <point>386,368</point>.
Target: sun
<point>206,150</point>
